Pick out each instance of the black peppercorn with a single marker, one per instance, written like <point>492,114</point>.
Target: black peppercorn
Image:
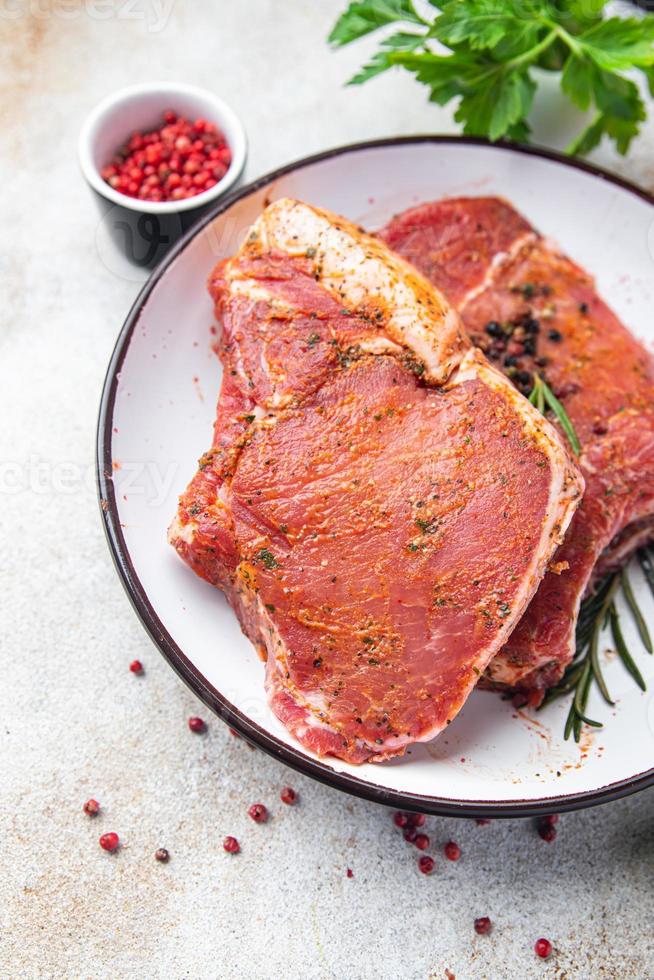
<point>493,329</point>
<point>555,335</point>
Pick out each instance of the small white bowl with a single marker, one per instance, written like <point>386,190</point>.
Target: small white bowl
<point>141,107</point>
<point>144,230</point>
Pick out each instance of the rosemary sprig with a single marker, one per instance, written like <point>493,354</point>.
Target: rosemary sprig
<point>598,611</point>
<point>543,398</point>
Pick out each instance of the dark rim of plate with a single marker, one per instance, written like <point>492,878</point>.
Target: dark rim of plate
<point>291,756</point>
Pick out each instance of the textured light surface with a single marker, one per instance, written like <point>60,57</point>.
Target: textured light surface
<point>76,723</point>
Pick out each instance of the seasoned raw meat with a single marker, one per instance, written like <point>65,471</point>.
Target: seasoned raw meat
<point>623,546</point>
<point>502,276</point>
<point>379,504</point>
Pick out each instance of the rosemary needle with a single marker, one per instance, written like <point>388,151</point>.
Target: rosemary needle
<point>581,699</point>
<point>635,610</point>
<point>623,651</point>
<point>569,722</point>
<point>567,683</point>
<point>543,397</point>
<point>595,665</point>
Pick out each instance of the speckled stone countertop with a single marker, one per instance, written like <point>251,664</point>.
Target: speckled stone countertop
<point>76,723</point>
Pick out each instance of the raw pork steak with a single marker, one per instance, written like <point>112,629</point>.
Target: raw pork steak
<point>379,504</point>
<point>530,308</point>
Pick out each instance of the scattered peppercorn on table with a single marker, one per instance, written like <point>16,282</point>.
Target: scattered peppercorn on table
<point>139,837</point>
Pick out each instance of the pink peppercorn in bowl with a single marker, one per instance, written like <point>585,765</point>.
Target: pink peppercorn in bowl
<point>188,119</point>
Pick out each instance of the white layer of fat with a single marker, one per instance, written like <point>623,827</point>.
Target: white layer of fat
<point>362,272</point>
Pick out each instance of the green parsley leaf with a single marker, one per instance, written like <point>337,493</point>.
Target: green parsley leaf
<point>581,11</point>
<point>404,39</point>
<point>622,131</point>
<point>617,96</point>
<point>380,61</point>
<point>577,81</point>
<point>621,111</point>
<point>501,104</point>
<point>588,139</point>
<point>649,75</point>
<point>364,16</point>
<point>618,45</point>
<point>519,41</point>
<point>452,72</point>
<point>519,132</point>
<point>482,23</point>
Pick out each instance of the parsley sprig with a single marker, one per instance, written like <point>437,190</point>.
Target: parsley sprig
<point>482,53</point>
<point>597,612</point>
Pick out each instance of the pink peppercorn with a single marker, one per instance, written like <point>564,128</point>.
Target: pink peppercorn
<point>426,864</point>
<point>258,813</point>
<point>543,948</point>
<point>547,832</point>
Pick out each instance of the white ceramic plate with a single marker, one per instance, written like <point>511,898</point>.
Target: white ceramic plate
<point>156,420</point>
